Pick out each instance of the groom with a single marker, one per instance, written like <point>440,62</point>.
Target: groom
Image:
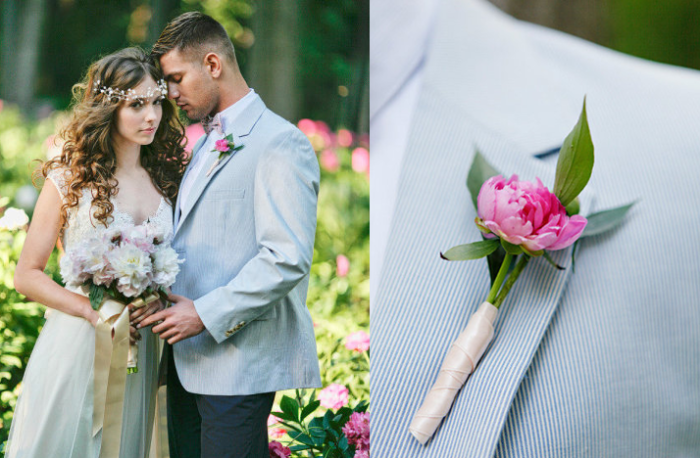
<point>245,221</point>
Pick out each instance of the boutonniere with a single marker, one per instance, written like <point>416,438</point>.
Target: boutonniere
<point>224,147</point>
<point>519,220</point>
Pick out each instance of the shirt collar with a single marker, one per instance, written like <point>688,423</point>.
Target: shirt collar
<point>228,116</point>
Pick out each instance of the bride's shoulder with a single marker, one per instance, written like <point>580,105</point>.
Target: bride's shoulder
<point>60,176</point>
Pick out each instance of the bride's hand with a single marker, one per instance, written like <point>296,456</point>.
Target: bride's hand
<point>138,314</point>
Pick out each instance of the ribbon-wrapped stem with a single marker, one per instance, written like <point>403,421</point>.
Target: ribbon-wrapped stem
<point>132,361</point>
<point>461,359</point>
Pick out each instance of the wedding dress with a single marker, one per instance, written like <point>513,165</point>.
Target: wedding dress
<point>53,416</point>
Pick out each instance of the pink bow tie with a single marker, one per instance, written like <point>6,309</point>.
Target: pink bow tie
<point>213,124</point>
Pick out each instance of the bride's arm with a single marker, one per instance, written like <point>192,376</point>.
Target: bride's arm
<point>30,279</point>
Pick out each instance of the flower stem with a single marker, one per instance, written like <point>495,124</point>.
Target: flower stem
<point>511,280</point>
<point>499,278</point>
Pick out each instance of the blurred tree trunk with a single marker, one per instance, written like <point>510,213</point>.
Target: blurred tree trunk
<point>163,11</point>
<point>271,68</point>
<point>8,68</point>
<point>360,106</point>
<point>25,21</point>
<point>588,19</point>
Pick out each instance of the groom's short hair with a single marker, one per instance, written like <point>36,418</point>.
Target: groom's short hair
<point>194,34</point>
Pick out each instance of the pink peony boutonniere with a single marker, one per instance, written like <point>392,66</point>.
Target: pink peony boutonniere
<point>519,220</point>
<point>224,147</point>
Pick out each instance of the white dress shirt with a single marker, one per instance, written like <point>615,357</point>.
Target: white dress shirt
<point>228,116</point>
<point>400,31</point>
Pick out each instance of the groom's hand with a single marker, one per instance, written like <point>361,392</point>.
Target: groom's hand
<point>178,322</point>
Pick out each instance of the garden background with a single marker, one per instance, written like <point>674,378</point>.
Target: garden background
<point>309,61</point>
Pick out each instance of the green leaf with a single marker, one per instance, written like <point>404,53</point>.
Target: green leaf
<point>495,261</point>
<point>479,172</point>
<point>575,162</point>
<point>96,295</point>
<point>298,448</point>
<point>309,408</point>
<point>291,407</point>
<point>470,251</point>
<point>605,220</point>
<point>284,416</point>
<point>510,248</point>
<point>551,261</point>
<point>303,438</point>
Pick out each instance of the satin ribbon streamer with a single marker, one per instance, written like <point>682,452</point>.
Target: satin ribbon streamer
<point>462,358</point>
<point>111,349</point>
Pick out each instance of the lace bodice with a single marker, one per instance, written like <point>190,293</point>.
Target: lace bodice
<point>81,225</point>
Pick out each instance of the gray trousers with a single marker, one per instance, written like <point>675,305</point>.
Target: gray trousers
<point>215,426</point>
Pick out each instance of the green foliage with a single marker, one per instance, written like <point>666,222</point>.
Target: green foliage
<point>20,322</point>
<point>321,435</point>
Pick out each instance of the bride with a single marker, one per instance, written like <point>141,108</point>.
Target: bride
<point>120,166</point>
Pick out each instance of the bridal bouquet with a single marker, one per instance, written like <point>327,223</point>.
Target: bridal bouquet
<point>518,220</point>
<point>130,266</point>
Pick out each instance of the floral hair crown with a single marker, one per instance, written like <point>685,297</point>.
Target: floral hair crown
<point>130,94</point>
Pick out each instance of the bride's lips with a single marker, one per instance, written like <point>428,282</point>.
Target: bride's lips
<point>150,130</point>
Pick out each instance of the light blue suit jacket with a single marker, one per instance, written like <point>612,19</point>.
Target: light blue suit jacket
<point>603,362</point>
<point>247,236</point>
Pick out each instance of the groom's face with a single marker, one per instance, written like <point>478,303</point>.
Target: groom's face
<point>189,84</point>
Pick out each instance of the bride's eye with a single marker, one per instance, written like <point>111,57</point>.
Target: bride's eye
<point>136,104</point>
<point>158,101</point>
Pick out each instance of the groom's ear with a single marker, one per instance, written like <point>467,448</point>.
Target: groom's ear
<point>213,64</point>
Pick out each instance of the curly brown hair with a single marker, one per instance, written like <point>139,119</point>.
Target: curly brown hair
<point>88,156</point>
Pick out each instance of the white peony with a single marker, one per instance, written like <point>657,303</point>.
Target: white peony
<point>166,266</point>
<point>132,268</point>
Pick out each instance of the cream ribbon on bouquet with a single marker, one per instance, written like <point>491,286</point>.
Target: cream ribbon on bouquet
<point>113,355</point>
<point>519,220</point>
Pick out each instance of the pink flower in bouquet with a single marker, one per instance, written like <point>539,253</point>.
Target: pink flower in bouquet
<point>344,138</point>
<point>329,160</point>
<point>360,160</point>
<point>342,265</point>
<point>222,145</point>
<point>357,341</point>
<point>357,431</point>
<point>527,214</point>
<point>139,237</point>
<point>278,450</point>
<point>334,396</point>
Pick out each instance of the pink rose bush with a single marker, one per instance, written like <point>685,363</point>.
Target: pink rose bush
<point>357,432</point>
<point>278,450</point>
<point>342,265</point>
<point>526,214</point>
<point>334,396</point>
<point>357,341</point>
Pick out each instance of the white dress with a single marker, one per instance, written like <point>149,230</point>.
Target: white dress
<point>53,416</point>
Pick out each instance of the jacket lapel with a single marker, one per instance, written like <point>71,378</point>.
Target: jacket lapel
<point>423,302</point>
<point>242,127</point>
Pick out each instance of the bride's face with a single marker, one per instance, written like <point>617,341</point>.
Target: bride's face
<point>137,119</point>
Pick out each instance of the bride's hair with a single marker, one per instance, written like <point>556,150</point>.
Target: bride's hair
<point>88,160</point>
